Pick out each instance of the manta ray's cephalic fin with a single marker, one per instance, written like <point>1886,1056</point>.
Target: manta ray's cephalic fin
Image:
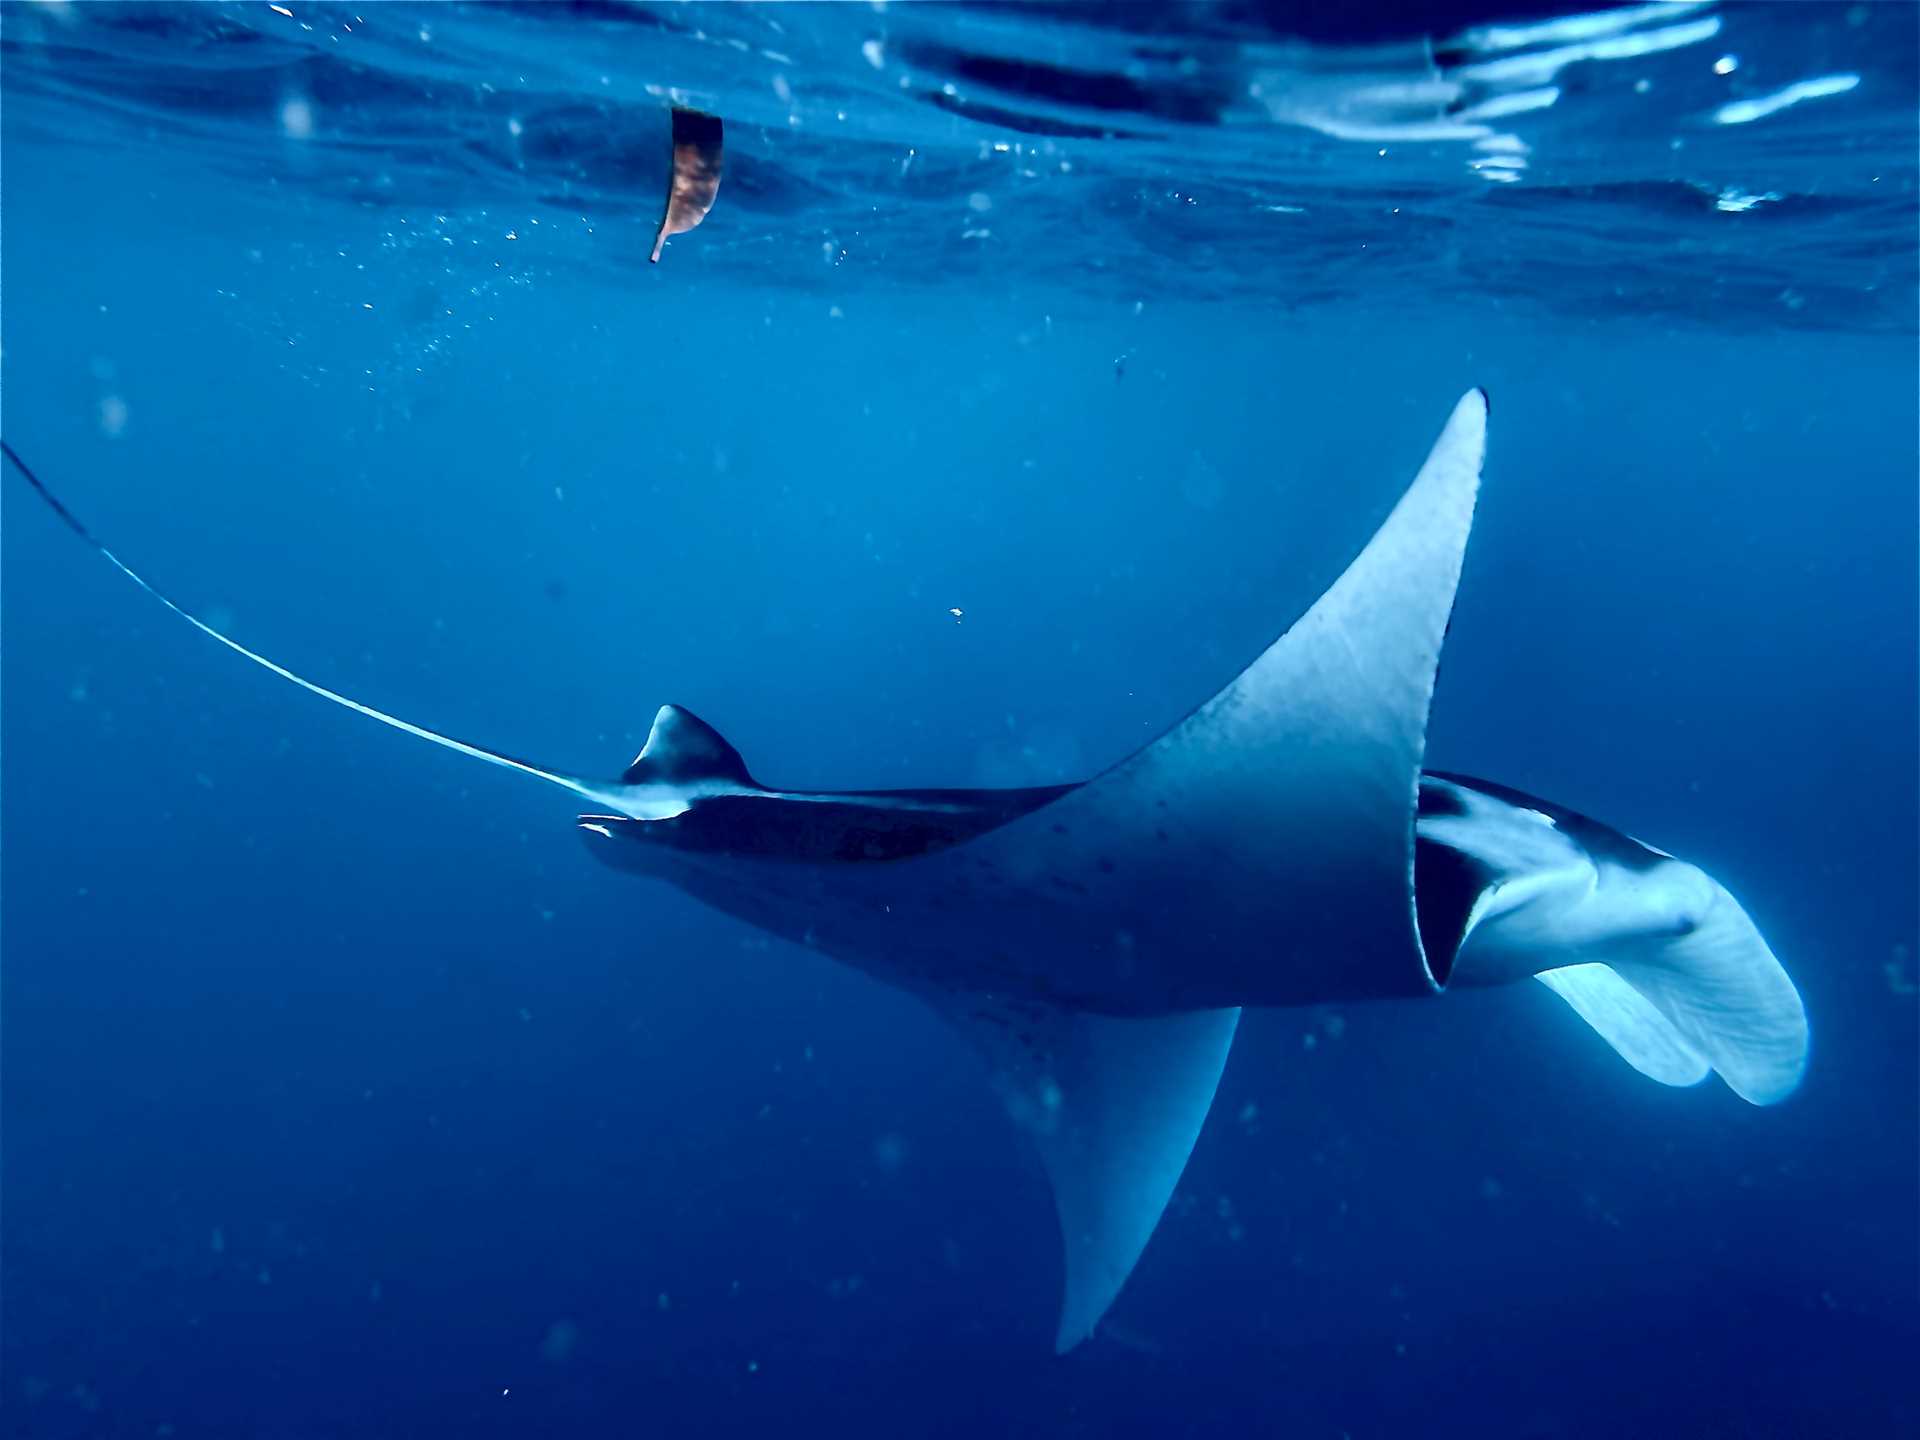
<point>1697,994</point>
<point>1654,954</point>
<point>1628,1021</point>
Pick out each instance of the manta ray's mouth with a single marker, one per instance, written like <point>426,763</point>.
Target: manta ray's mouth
<point>1446,886</point>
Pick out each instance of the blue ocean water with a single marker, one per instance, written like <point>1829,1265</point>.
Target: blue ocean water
<point>1036,366</point>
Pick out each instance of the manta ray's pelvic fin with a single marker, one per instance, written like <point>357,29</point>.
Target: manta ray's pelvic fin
<point>1113,1106</point>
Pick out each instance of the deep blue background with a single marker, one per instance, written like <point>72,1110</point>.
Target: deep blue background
<point>343,1095</point>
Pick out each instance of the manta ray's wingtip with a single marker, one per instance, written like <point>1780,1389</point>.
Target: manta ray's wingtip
<point>1461,447</point>
<point>1473,409</point>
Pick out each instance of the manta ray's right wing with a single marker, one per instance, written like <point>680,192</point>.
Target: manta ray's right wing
<point>1113,1105</point>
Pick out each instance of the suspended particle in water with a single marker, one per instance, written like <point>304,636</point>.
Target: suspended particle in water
<point>561,1337</point>
<point>1202,484</point>
<point>296,118</point>
<point>1895,970</point>
<point>694,180</point>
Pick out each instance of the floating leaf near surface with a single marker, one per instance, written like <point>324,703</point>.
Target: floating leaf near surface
<point>696,175</point>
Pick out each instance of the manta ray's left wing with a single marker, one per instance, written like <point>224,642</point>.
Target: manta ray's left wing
<point>1261,851</point>
<point>1255,852</point>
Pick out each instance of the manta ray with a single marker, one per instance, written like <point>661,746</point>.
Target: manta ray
<point>1281,845</point>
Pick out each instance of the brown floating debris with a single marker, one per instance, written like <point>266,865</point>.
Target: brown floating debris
<point>696,174</point>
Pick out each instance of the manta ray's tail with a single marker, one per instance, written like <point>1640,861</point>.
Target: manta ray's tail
<point>604,794</point>
<point>1654,954</point>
